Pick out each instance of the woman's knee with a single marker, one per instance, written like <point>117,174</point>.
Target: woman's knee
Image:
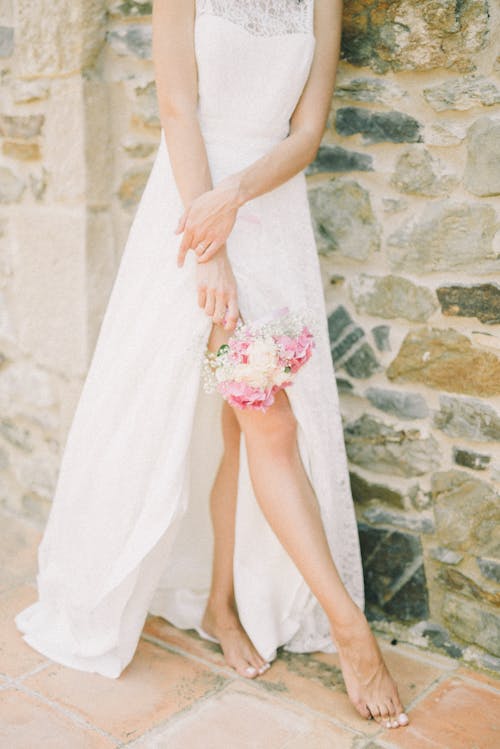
<point>275,429</point>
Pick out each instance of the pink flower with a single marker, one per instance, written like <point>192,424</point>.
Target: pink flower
<point>295,352</point>
<point>244,396</point>
<point>238,349</point>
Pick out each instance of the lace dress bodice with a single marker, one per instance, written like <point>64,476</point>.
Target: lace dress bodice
<point>263,17</point>
<point>253,59</point>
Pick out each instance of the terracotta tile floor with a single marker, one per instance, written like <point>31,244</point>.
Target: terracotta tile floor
<point>178,694</point>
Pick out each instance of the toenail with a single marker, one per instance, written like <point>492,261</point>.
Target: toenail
<point>264,668</point>
<point>402,719</point>
<point>388,724</point>
<point>250,670</point>
<point>394,724</point>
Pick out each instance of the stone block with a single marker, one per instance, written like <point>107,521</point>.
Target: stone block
<point>364,491</point>
<point>462,93</point>
<point>482,170</point>
<point>415,523</point>
<point>392,296</point>
<point>369,90</point>
<point>416,172</point>
<point>395,583</point>
<point>20,150</point>
<point>467,513</point>
<point>446,360</point>
<point>444,132</point>
<point>11,186</point>
<point>472,623</point>
<point>337,159</point>
<point>400,403</point>
<point>65,133</point>
<point>146,105</point>
<point>17,435</point>
<point>133,185</point>
<point>469,418</point>
<point>50,304</point>
<point>130,7</point>
<point>457,582</point>
<point>344,220</point>
<point>62,41</point>
<point>383,449</point>
<point>26,92</point>
<point>381,336</point>
<point>358,360</point>
<point>404,35</point>
<point>21,126</point>
<point>139,149</point>
<point>481,301</point>
<point>98,147</point>
<point>446,556</point>
<point>135,41</point>
<point>6,41</point>
<point>378,127</point>
<point>363,362</point>
<point>26,388</point>
<point>490,568</point>
<point>470,459</point>
<point>447,236</point>
<point>439,637</point>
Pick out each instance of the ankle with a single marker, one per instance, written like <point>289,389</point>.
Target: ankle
<point>221,606</point>
<point>347,620</point>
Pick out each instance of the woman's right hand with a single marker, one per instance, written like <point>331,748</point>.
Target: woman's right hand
<point>217,292</point>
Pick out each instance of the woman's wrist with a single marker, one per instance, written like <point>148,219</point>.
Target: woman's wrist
<point>234,188</point>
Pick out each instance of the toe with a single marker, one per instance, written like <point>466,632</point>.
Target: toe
<point>385,717</point>
<point>363,710</point>
<point>247,670</point>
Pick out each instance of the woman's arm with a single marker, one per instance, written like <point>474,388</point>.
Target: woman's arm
<point>176,78</point>
<point>209,212</point>
<point>177,93</point>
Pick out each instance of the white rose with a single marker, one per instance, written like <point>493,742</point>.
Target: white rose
<point>262,355</point>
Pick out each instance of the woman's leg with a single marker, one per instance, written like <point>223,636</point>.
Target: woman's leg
<point>288,502</point>
<point>221,617</point>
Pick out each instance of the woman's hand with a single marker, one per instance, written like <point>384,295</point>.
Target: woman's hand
<point>208,221</point>
<point>217,292</point>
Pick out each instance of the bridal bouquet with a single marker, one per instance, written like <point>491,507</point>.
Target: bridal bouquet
<point>259,359</point>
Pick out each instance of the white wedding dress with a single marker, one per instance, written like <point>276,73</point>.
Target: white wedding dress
<point>129,530</point>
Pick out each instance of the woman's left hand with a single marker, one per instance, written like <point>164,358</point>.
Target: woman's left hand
<point>208,221</point>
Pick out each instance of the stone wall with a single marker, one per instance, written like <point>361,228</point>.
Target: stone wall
<point>405,198</point>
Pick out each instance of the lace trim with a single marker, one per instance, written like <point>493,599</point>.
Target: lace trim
<point>263,17</point>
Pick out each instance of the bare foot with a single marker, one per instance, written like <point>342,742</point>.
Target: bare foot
<point>370,687</point>
<point>237,647</point>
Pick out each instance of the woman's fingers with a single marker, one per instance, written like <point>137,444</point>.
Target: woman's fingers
<point>208,252</point>
<point>202,296</point>
<point>220,309</point>
<point>210,302</point>
<point>232,313</point>
<point>181,223</point>
<point>186,243</point>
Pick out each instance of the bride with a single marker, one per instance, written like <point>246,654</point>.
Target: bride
<point>235,522</point>
<point>271,439</point>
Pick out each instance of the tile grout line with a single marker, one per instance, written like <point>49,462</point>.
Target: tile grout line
<point>482,685</point>
<point>81,722</point>
<point>231,674</point>
<point>291,701</point>
<point>241,680</point>
<point>179,716</point>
